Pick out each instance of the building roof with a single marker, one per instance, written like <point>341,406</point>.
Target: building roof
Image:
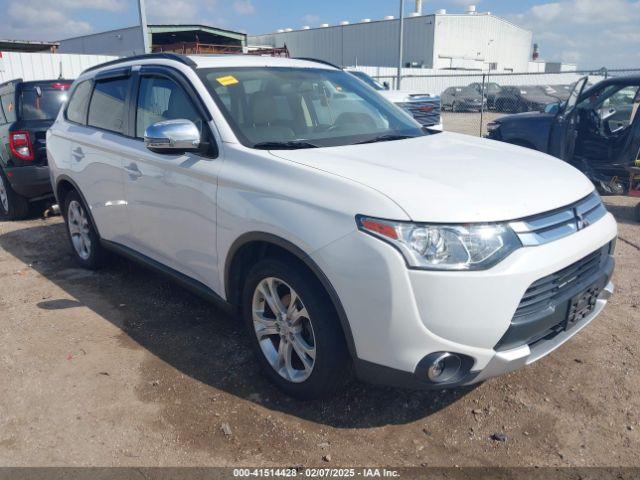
<point>27,46</point>
<point>158,28</point>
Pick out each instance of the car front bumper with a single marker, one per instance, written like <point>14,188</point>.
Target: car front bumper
<point>399,316</point>
<point>30,181</point>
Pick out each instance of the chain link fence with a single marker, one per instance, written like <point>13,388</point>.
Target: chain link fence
<point>470,101</point>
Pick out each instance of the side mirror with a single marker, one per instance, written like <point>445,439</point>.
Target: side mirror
<point>172,136</point>
<point>552,108</point>
<point>386,85</point>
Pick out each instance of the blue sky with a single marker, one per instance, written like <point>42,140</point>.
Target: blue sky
<point>592,33</point>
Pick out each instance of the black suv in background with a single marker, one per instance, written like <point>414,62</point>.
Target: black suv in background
<point>27,110</point>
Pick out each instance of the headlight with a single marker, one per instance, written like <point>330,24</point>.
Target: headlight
<point>491,126</point>
<point>445,247</point>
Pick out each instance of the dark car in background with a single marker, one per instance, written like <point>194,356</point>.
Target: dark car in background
<point>459,99</point>
<point>524,98</point>
<point>596,129</point>
<point>27,110</point>
<point>491,92</point>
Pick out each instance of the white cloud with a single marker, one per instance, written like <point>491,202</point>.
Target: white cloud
<point>104,5</point>
<point>244,7</point>
<point>547,11</point>
<point>311,18</point>
<point>592,33</point>
<point>179,11</point>
<point>26,18</point>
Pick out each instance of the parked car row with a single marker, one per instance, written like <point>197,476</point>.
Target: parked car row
<point>597,129</point>
<point>351,239</point>
<point>510,99</point>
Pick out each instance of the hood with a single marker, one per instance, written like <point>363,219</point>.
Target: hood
<point>453,178</point>
<point>525,117</point>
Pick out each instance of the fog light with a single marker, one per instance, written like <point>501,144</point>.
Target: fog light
<point>443,367</point>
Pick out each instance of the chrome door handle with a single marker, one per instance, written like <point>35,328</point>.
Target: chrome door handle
<point>133,171</point>
<point>78,154</point>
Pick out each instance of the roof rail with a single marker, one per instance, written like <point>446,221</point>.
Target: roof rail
<point>317,60</point>
<point>147,56</point>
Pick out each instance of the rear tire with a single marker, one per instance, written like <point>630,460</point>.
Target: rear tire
<point>83,236</point>
<point>300,346</point>
<point>12,205</point>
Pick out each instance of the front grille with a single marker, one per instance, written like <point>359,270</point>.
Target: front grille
<point>552,288</point>
<point>556,224</point>
<point>426,112</point>
<point>542,312</point>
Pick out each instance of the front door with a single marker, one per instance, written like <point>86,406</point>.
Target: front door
<point>608,131</point>
<point>172,198</point>
<point>562,140</point>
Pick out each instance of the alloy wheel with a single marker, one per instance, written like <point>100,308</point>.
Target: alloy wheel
<point>4,198</point>
<point>79,229</point>
<point>284,329</point>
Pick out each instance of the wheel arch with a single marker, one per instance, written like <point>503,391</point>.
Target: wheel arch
<point>253,246</point>
<point>64,185</point>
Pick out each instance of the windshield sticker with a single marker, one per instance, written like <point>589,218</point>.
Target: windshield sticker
<point>228,80</point>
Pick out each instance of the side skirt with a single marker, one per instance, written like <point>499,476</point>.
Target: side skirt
<point>187,282</point>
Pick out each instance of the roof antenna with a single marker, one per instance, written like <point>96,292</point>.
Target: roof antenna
<point>61,76</point>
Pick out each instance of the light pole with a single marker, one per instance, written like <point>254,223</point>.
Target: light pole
<point>400,44</point>
<point>143,26</point>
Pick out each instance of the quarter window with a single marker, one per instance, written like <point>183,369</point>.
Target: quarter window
<point>78,103</point>
<point>107,110</point>
<point>160,99</point>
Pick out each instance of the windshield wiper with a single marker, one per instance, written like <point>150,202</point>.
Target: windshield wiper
<point>289,145</point>
<point>386,138</point>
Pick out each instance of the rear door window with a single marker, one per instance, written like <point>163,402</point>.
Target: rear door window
<point>78,103</point>
<point>107,107</point>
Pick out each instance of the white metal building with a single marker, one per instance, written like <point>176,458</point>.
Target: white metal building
<point>464,41</point>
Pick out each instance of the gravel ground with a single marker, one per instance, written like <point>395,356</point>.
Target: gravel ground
<point>124,368</point>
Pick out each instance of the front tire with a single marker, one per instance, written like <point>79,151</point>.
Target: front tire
<point>294,330</point>
<point>12,205</point>
<point>83,236</point>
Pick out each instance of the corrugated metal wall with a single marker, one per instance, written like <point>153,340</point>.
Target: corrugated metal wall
<point>433,41</point>
<point>374,43</point>
<point>122,42</point>
<point>45,66</point>
<point>484,38</point>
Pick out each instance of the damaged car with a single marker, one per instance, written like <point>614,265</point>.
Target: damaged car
<point>597,130</point>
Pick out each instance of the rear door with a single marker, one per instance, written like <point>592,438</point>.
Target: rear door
<point>562,140</point>
<point>95,152</point>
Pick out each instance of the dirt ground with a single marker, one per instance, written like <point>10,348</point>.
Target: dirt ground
<point>124,368</point>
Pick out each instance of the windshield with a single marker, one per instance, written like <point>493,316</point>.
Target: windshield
<point>304,108</point>
<point>42,102</point>
<point>368,80</point>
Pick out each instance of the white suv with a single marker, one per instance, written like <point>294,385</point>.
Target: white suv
<point>351,239</point>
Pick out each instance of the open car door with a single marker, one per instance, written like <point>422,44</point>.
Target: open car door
<point>562,140</point>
